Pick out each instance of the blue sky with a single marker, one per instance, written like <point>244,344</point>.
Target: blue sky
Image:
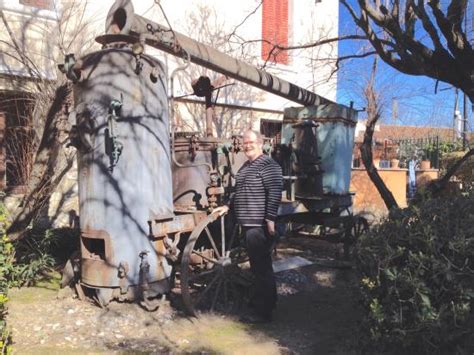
<point>414,97</point>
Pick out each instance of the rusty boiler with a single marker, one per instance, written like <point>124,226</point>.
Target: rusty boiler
<point>124,162</point>
<point>318,142</point>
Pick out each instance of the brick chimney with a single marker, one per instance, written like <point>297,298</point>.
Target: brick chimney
<point>275,30</point>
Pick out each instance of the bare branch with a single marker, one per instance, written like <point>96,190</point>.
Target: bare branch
<point>373,115</point>
<point>24,59</point>
<point>234,31</point>
<point>315,44</point>
<point>456,11</point>
<point>450,26</point>
<point>410,18</point>
<point>428,25</point>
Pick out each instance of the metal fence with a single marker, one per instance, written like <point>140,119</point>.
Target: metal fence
<point>419,149</point>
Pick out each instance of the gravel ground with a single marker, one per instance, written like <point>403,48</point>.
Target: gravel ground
<point>317,314</point>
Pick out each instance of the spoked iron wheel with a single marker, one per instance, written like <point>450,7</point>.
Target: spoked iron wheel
<point>359,226</point>
<point>211,274</point>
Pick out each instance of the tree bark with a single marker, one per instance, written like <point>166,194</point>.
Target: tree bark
<point>367,158</point>
<point>419,38</point>
<point>373,115</point>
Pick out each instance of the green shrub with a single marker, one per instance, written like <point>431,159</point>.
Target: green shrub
<point>7,269</point>
<point>5,338</point>
<point>22,263</point>
<point>33,257</point>
<point>417,279</point>
<point>465,174</point>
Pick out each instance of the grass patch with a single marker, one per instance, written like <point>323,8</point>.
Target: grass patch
<point>44,290</point>
<point>216,334</point>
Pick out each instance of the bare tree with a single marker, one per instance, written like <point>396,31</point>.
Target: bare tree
<point>207,28</point>
<point>33,46</point>
<point>421,38</point>
<point>373,115</point>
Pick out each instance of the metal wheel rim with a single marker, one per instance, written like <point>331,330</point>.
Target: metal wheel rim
<point>218,278</point>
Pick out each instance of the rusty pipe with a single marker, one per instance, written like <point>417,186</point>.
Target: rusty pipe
<point>121,20</point>
<point>173,125</point>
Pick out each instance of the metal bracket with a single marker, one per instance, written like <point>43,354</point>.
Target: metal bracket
<point>122,273</point>
<point>71,68</point>
<point>113,147</point>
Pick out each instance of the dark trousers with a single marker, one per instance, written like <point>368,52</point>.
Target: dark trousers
<point>259,248</point>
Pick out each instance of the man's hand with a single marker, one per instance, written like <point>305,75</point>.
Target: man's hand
<point>221,210</point>
<point>271,227</point>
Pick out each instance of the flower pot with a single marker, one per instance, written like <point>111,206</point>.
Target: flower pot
<point>394,163</point>
<point>425,165</point>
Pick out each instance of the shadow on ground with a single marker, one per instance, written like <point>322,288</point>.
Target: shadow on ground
<point>317,314</point>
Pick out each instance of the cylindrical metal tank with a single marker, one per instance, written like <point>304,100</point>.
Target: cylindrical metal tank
<point>193,162</point>
<point>334,138</point>
<point>195,157</point>
<point>306,164</point>
<point>124,168</point>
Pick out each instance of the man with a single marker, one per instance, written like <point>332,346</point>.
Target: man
<point>255,204</point>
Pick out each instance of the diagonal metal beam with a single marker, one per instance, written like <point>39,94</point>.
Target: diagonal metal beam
<point>121,20</point>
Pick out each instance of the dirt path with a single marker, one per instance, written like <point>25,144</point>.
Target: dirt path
<point>317,314</point>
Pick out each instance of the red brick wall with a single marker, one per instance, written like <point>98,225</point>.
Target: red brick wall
<point>275,30</point>
<point>40,4</point>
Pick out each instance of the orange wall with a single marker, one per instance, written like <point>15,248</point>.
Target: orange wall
<point>368,199</point>
<point>425,176</point>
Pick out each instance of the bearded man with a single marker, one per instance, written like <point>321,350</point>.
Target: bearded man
<point>255,205</point>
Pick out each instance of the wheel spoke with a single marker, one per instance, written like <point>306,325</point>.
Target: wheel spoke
<point>206,290</point>
<point>214,261</point>
<point>212,287</point>
<point>218,288</point>
<point>234,232</point>
<point>202,274</point>
<point>211,240</point>
<point>226,299</point>
<point>222,236</point>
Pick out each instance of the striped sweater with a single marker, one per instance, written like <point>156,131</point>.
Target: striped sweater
<point>257,191</point>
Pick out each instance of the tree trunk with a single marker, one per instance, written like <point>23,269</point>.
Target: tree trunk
<point>367,158</point>
<point>440,184</point>
<point>373,115</point>
<point>44,176</point>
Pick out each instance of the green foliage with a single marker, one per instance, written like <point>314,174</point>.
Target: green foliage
<point>417,279</point>
<point>6,270</point>
<point>25,262</point>
<point>465,174</point>
<point>33,257</point>
<point>443,148</point>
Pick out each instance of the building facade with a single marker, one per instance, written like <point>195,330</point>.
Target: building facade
<point>37,34</point>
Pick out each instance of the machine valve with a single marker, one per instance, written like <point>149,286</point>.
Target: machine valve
<point>113,147</point>
<point>71,68</point>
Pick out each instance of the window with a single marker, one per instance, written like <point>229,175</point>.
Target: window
<point>17,143</point>
<point>48,10</point>
<point>271,129</point>
<point>275,30</point>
